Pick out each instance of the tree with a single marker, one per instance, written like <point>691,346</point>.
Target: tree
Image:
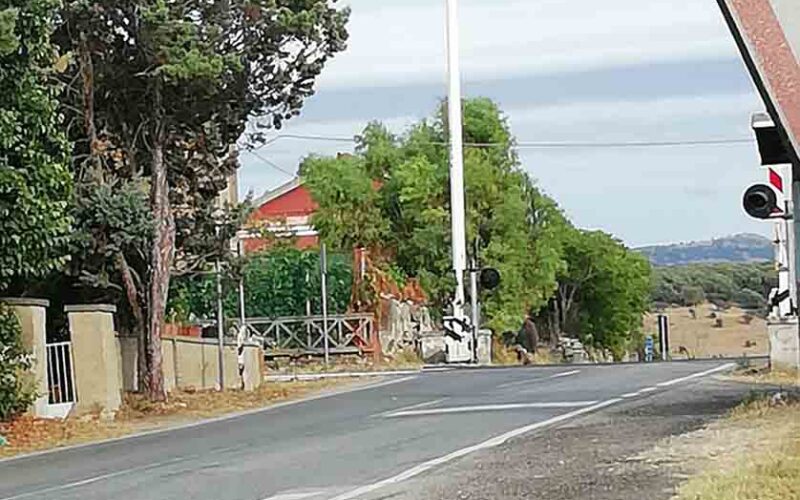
<point>692,295</point>
<point>16,393</point>
<point>393,193</point>
<point>604,291</point>
<point>164,92</point>
<point>35,184</point>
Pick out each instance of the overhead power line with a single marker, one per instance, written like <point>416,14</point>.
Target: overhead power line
<point>270,163</point>
<point>543,144</point>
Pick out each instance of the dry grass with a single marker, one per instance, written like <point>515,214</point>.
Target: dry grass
<point>752,454</point>
<point>701,339</point>
<point>27,434</point>
<point>506,356</point>
<point>767,377</point>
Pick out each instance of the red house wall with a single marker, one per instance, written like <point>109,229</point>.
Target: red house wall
<point>295,203</point>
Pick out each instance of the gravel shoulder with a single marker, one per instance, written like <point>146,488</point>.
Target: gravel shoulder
<point>601,456</point>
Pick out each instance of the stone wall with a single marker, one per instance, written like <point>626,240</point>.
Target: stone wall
<point>193,363</point>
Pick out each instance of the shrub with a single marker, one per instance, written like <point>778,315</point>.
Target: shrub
<point>16,391</point>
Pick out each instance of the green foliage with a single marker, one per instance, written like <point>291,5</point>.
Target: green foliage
<point>349,215</point>
<point>16,390</point>
<point>612,293</point>
<point>693,295</point>
<point>393,194</point>
<point>278,282</point>
<point>35,185</point>
<point>746,284</point>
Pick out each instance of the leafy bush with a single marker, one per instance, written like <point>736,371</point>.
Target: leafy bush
<point>16,391</point>
<point>278,282</point>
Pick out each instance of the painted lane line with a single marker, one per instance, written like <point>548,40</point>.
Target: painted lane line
<point>213,420</point>
<point>412,407</point>
<point>99,478</point>
<point>647,389</point>
<point>490,443</point>
<point>720,368</point>
<point>536,379</point>
<point>482,408</point>
<point>629,395</point>
<point>295,496</point>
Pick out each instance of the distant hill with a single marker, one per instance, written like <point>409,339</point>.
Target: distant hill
<point>736,248</point>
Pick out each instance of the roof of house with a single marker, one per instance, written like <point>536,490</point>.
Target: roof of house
<point>279,191</point>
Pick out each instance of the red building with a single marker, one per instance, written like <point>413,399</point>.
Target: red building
<point>285,212</point>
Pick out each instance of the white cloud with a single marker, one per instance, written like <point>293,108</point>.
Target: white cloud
<point>396,43</point>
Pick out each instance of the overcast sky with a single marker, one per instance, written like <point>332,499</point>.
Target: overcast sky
<point>631,70</point>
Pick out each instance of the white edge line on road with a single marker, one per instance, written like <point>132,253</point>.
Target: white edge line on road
<point>647,389</point>
<point>720,368</point>
<point>498,407</point>
<point>502,438</point>
<point>319,376</point>
<point>294,496</point>
<point>629,395</point>
<point>412,407</point>
<point>490,443</point>
<point>222,418</point>
<point>565,374</point>
<point>523,382</point>
<point>95,479</point>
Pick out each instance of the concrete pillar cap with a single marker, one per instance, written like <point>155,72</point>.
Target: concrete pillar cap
<point>25,301</point>
<point>90,308</point>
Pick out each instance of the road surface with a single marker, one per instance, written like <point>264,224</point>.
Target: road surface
<point>344,446</point>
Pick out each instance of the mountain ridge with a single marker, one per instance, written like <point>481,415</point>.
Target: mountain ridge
<point>742,247</point>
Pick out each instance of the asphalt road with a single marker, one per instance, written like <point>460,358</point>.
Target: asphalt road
<point>344,446</point>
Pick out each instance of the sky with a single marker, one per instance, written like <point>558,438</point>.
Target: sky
<point>562,71</point>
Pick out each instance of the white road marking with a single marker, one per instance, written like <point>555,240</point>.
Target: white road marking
<point>502,438</point>
<point>498,407</point>
<point>96,479</point>
<point>412,407</point>
<point>295,496</point>
<point>648,389</point>
<point>490,443</point>
<point>630,395</point>
<point>726,366</point>
<point>528,380</point>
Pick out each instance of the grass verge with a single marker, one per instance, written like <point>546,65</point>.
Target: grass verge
<point>752,454</point>
<point>27,434</point>
<point>766,465</point>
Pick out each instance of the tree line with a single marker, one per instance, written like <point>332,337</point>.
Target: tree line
<point>744,284</point>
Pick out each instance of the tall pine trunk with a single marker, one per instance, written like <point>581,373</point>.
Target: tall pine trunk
<point>160,265</point>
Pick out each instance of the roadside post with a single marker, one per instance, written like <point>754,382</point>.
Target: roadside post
<point>220,330</point>
<point>663,336</point>
<point>323,267</point>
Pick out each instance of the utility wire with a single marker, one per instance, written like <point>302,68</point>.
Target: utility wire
<point>539,145</point>
<point>270,163</point>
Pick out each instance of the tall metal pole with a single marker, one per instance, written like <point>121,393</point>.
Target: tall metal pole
<point>473,292</point>
<point>220,329</point>
<point>456,157</point>
<point>324,270</point>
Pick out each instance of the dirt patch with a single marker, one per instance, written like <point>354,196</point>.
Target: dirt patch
<point>402,360</point>
<point>699,336</point>
<point>27,434</point>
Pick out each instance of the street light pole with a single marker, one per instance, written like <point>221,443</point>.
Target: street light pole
<point>456,158</point>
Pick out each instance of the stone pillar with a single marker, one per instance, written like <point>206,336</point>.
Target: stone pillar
<point>98,364</point>
<point>32,314</point>
<point>783,344</point>
<point>484,347</point>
